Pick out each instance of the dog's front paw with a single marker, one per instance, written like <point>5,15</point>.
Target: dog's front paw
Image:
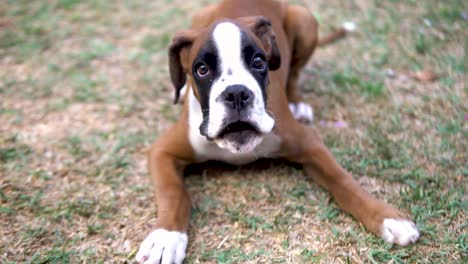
<point>302,112</point>
<point>399,231</point>
<point>162,246</point>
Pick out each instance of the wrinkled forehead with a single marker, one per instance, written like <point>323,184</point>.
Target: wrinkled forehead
<point>225,40</point>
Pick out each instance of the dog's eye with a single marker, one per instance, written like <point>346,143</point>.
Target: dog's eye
<point>202,70</point>
<point>258,63</point>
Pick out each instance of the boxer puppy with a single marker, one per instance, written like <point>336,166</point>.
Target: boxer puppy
<point>240,61</point>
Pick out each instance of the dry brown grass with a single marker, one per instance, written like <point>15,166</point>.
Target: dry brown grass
<point>84,90</point>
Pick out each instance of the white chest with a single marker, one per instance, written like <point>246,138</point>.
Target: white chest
<point>208,150</point>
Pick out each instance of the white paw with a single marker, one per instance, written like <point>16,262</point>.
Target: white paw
<point>399,231</point>
<point>302,112</point>
<point>162,246</point>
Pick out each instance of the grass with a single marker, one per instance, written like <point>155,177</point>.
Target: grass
<point>85,89</point>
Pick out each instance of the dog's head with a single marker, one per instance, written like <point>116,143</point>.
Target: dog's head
<point>229,64</point>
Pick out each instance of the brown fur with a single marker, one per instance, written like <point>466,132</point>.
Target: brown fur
<point>296,37</point>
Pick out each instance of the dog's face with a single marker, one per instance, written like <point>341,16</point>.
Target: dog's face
<point>229,63</point>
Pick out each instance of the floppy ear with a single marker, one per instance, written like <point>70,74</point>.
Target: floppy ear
<point>261,27</point>
<point>179,51</point>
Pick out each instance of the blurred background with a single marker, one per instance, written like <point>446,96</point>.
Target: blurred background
<point>85,89</point>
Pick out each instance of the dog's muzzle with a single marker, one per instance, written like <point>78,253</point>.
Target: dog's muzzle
<point>237,119</point>
<point>237,126</point>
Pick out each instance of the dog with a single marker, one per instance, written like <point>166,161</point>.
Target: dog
<point>240,63</point>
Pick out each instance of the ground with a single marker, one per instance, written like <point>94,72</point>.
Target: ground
<point>85,89</point>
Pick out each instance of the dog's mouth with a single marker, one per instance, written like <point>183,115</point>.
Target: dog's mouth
<point>238,130</point>
<point>239,137</point>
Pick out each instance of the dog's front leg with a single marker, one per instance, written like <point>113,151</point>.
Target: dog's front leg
<point>168,242</point>
<point>377,216</point>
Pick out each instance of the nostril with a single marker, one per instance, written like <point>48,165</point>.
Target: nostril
<point>245,95</point>
<point>230,98</point>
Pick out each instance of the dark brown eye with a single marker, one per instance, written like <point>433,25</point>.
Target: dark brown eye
<point>258,63</point>
<point>202,70</point>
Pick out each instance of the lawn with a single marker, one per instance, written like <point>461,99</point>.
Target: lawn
<point>85,89</point>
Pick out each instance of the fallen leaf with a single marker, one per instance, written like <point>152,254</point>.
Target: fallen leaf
<point>424,76</point>
<point>5,23</point>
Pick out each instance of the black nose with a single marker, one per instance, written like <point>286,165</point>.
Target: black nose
<point>237,97</point>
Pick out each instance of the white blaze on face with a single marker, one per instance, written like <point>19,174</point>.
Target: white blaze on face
<point>228,40</point>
